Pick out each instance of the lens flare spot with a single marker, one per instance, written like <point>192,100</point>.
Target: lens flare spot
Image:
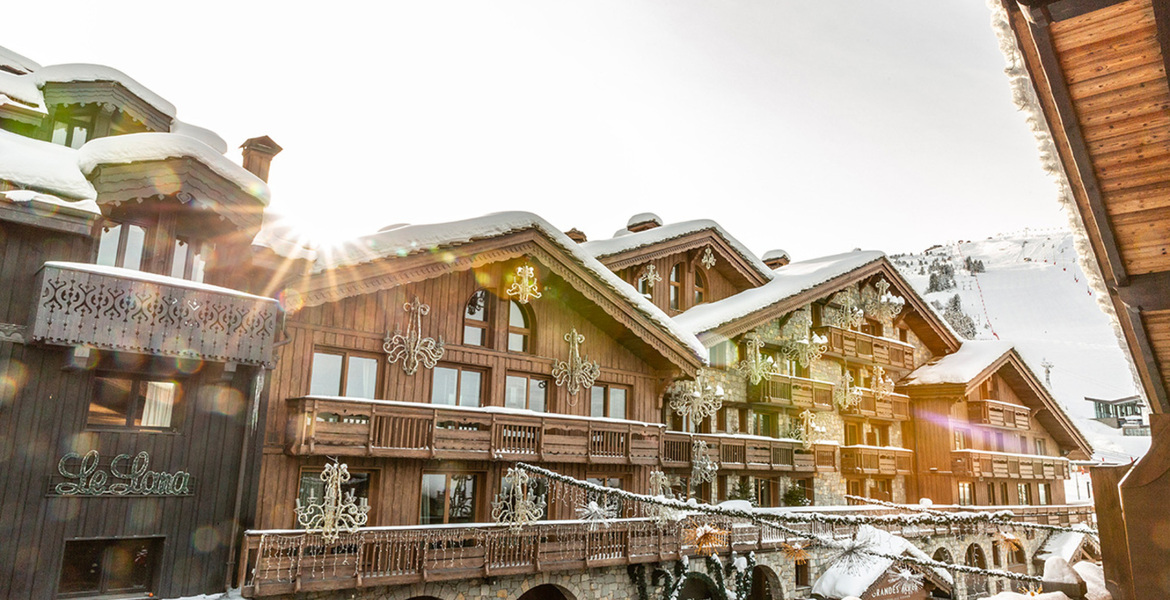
<point>223,400</point>
<point>64,509</point>
<point>290,300</point>
<point>205,539</point>
<point>13,377</point>
<point>188,365</point>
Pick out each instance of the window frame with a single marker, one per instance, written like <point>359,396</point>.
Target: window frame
<point>197,248</point>
<point>477,479</point>
<point>484,326</point>
<point>460,369</point>
<point>529,379</point>
<point>699,289</point>
<point>343,382</point>
<point>371,482</point>
<point>138,379</point>
<point>73,117</point>
<point>607,405</point>
<point>105,226</point>
<point>675,280</point>
<point>966,494</point>
<point>526,332</point>
<point>108,554</point>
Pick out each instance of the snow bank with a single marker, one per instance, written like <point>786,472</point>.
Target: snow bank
<point>84,72</point>
<point>787,281</point>
<point>625,240</point>
<point>841,580</point>
<point>1056,570</point>
<point>43,166</point>
<point>961,366</point>
<point>1094,578</point>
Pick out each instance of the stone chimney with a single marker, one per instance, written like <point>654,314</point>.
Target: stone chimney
<point>774,259</point>
<point>577,235</point>
<point>258,153</point>
<point>643,221</point>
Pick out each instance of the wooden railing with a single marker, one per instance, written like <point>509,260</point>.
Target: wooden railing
<point>894,406</point>
<point>975,463</point>
<point>854,344</point>
<point>750,452</point>
<point>873,460</point>
<point>122,310</point>
<point>787,390</point>
<point>999,414</point>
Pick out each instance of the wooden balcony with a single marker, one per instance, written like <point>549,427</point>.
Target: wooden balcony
<point>743,452</point>
<point>123,310</point>
<point>890,353</point>
<point>994,413</point>
<point>874,460</point>
<point>976,463</point>
<point>895,407</point>
<point>797,392</point>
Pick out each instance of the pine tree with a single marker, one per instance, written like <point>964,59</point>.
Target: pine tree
<point>964,325</point>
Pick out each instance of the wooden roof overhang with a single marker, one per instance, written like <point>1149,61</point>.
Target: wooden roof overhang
<point>731,263</point>
<point>1099,69</point>
<point>185,178</point>
<point>604,307</point>
<point>110,93</point>
<point>17,111</point>
<point>917,314</point>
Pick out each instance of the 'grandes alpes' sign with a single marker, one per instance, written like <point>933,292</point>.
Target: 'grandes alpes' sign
<point>124,477</point>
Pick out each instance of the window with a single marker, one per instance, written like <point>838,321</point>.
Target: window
<point>1003,493</point>
<point>1023,444</point>
<point>676,287</point>
<point>801,573</point>
<point>644,286</point>
<point>189,260</point>
<point>1025,493</point>
<point>71,128</point>
<point>852,434</point>
<point>700,287</point>
<point>456,386</point>
<point>872,327</point>
<point>962,439</point>
<point>766,425</point>
<point>854,488</point>
<point>904,335</point>
<point>1044,493</point>
<point>881,434</point>
<point>475,320</point>
<point>448,498</point>
<point>999,442</point>
<point>121,245</point>
<point>133,401</point>
<point>99,567</point>
<point>526,392</point>
<point>519,328</point>
<point>312,488</point>
<point>343,373</point>
<point>767,492</point>
<point>607,401</point>
<point>882,490</point>
<point>991,494</point>
<point>1041,447</point>
<point>966,494</point>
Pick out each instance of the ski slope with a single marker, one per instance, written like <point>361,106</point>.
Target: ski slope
<point>1034,295</point>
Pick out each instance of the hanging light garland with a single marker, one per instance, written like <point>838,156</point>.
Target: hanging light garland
<point>413,349</point>
<point>755,366</point>
<point>336,512</point>
<point>525,287</point>
<point>517,504</point>
<point>575,373</point>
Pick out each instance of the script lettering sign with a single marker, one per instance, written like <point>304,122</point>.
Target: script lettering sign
<point>125,477</point>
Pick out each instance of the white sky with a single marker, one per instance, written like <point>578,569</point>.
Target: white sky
<point>816,127</point>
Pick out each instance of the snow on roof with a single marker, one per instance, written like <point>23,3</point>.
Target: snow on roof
<point>774,254</point>
<point>646,217</point>
<point>411,239</point>
<point>961,366</point>
<point>279,234</point>
<point>25,197</point>
<point>787,281</point>
<point>43,166</point>
<point>841,580</point>
<point>83,72</point>
<point>625,240</point>
<point>137,147</point>
<point>23,90</point>
<point>206,136</point>
<point>1063,544</point>
<point>15,61</point>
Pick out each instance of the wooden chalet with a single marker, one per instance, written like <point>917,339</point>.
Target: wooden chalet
<point>1094,76</point>
<point>130,367</point>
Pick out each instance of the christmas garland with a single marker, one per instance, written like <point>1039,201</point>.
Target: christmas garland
<point>1010,516</point>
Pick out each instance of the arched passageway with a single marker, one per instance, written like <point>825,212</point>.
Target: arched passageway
<point>976,584</point>
<point>696,588</point>
<point>547,591</point>
<point>765,584</point>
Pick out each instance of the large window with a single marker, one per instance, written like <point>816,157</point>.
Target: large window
<point>133,401</point>
<point>312,488</point>
<point>700,287</point>
<point>475,320</point>
<point>456,386</point>
<point>72,127</point>
<point>607,401</point>
<point>966,493</point>
<point>344,373</point>
<point>121,245</point>
<point>190,257</point>
<point>1044,493</point>
<point>676,283</point>
<point>526,391</point>
<point>109,567</point>
<point>519,328</point>
<point>448,498</point>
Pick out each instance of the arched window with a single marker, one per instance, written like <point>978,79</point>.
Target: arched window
<point>700,287</point>
<point>943,555</point>
<point>519,327</point>
<point>676,286</point>
<point>475,320</point>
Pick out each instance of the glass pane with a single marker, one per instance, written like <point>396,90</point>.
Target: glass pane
<point>472,335</point>
<point>515,390</point>
<point>433,499</point>
<point>617,403</point>
<point>516,316</point>
<point>676,274</point>
<point>462,505</point>
<point>60,133</point>
<point>179,259</point>
<point>597,401</point>
<point>517,342</point>
<point>128,564</point>
<point>199,261</point>
<point>361,380</point>
<point>81,569</point>
<point>135,242</point>
<point>158,403</point>
<point>469,388</point>
<point>79,136</point>
<point>110,405</point>
<point>444,385</point>
<point>536,394</point>
<point>108,246</point>
<point>326,375</point>
<point>477,306</point>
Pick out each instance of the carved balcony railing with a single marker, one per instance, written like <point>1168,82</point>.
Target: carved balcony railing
<point>799,392</point>
<point>876,460</point>
<point>887,352</point>
<point>119,309</point>
<point>749,452</point>
<point>994,413</point>
<point>978,463</point>
<point>894,406</point>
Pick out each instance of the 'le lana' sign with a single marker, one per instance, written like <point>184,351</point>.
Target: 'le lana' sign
<point>83,478</point>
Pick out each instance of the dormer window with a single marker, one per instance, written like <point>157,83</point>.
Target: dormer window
<point>475,321</point>
<point>700,287</point>
<point>519,328</point>
<point>121,245</point>
<point>676,287</point>
<point>71,127</point>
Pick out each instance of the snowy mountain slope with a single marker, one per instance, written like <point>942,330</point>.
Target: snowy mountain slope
<point>1033,294</point>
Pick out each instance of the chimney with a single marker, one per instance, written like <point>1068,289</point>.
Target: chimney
<point>774,259</point>
<point>258,153</point>
<point>643,221</point>
<point>577,235</point>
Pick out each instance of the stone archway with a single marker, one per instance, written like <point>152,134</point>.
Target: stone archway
<point>697,587</point>
<point>765,584</point>
<point>976,584</point>
<point>547,591</point>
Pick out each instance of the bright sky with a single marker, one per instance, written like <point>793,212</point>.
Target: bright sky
<point>815,127</point>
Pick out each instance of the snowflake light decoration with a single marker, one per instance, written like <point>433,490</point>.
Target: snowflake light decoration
<point>597,513</point>
<point>906,581</point>
<point>575,373</point>
<point>849,314</point>
<point>854,554</point>
<point>844,394</point>
<point>882,385</point>
<point>756,366</point>
<point>518,504</point>
<point>412,348</point>
<point>809,428</point>
<point>708,259</point>
<point>800,343</point>
<point>650,276</point>
<point>878,302</point>
<point>525,287</point>
<point>696,399</point>
<point>796,552</point>
<point>336,512</point>
<point>705,538</point>
<point>703,469</point>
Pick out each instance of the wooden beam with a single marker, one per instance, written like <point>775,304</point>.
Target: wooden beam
<point>1060,10</point>
<point>1144,356</point>
<point>1149,291</point>
<point>1162,21</point>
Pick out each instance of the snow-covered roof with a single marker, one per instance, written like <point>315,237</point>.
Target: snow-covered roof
<point>25,197</point>
<point>84,72</point>
<point>1064,544</point>
<point>626,240</point>
<point>23,90</point>
<point>411,239</point>
<point>646,217</point>
<point>139,147</point>
<point>841,580</point>
<point>15,61</point>
<point>42,166</point>
<point>775,254</point>
<point>961,366</point>
<point>787,281</point>
<point>204,135</point>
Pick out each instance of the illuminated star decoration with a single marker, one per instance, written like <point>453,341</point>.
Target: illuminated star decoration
<point>1034,590</point>
<point>412,348</point>
<point>597,512</point>
<point>575,373</point>
<point>705,538</point>
<point>854,554</point>
<point>525,287</point>
<point>1009,542</point>
<point>795,551</point>
<point>906,581</point>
